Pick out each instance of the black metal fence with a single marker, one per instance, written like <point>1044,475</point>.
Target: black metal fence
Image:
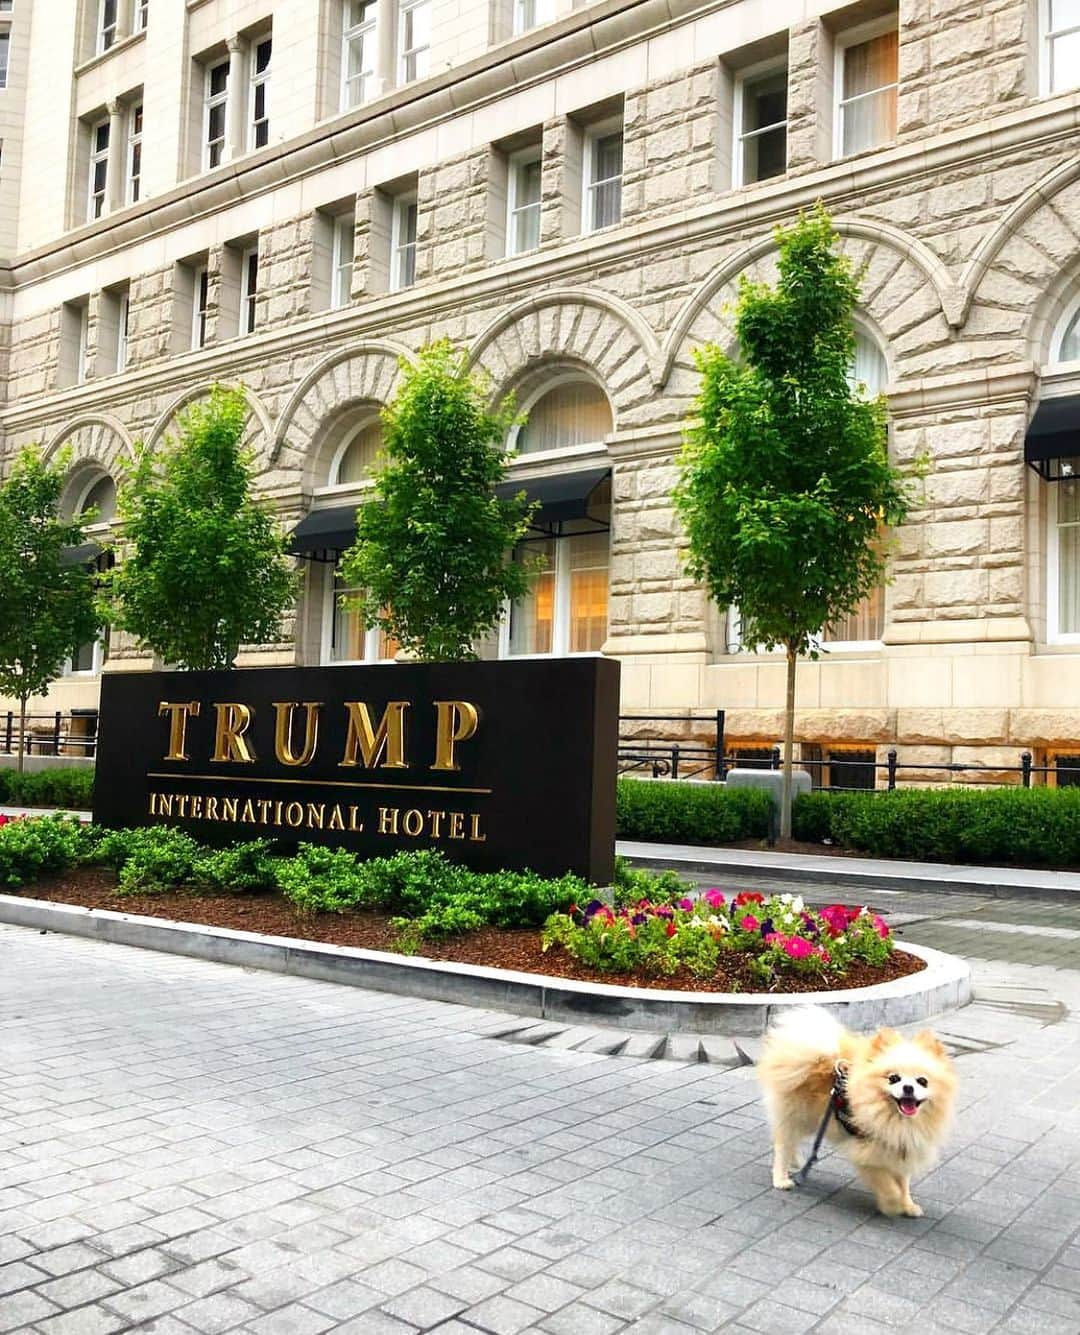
<point>843,771</point>
<point>58,734</point>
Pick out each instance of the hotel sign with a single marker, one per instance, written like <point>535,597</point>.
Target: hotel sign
<point>500,765</point>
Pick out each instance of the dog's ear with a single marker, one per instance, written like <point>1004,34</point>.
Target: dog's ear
<point>883,1039</point>
<point>925,1039</point>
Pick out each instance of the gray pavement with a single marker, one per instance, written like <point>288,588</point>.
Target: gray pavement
<point>190,1147</point>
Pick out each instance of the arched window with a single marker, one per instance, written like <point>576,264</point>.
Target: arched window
<point>99,495</point>
<point>571,413</point>
<point>869,371</point>
<point>1068,349</point>
<point>356,456</point>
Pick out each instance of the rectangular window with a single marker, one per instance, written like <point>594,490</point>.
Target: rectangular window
<point>603,177</point>
<point>341,264</point>
<point>1061,58</point>
<point>523,217</point>
<point>5,47</point>
<point>140,15</point>
<point>83,351</point>
<point>107,30</point>
<point>868,82</point>
<point>358,52</point>
<point>215,111</point>
<point>259,119</point>
<point>249,290</point>
<point>414,39</point>
<point>403,243</point>
<point>530,14</point>
<point>566,608</point>
<point>122,332</point>
<point>865,625</point>
<point>134,153</point>
<point>6,6</point>
<point>761,126</point>
<point>350,640</point>
<point>1067,498</point>
<point>200,295</point>
<point>99,169</point>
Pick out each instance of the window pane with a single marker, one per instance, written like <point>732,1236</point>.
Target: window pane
<point>102,498</point>
<point>869,372</point>
<point>765,101</point>
<point>348,633</point>
<point>870,121</point>
<point>5,44</point>
<point>577,413</point>
<point>83,658</point>
<point>1068,503</point>
<point>588,557</point>
<point>1065,62</point>
<point>527,186</point>
<point>526,229</point>
<point>1070,344</point>
<point>219,78</point>
<point>607,157</point>
<point>357,461</point>
<point>870,65</point>
<point>532,619</point>
<point>1064,14</point>
<point>607,204</point>
<point>765,155</point>
<point>867,622</point>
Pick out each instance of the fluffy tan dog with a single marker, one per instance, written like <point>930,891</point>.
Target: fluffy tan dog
<point>895,1105</point>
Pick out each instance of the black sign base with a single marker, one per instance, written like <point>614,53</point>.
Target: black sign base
<point>500,765</point>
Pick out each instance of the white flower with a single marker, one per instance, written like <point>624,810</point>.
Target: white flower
<point>797,904</point>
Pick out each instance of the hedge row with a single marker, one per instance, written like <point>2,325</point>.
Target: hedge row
<point>48,788</point>
<point>690,813</point>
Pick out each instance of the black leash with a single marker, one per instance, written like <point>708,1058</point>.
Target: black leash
<point>837,1107</point>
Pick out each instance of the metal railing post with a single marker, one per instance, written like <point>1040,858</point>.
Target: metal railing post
<point>1025,769</point>
<point>8,732</point>
<point>57,724</point>
<point>775,758</point>
<point>891,757</point>
<point>674,760</point>
<point>718,754</point>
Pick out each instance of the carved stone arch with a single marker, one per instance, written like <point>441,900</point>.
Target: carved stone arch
<point>908,299</point>
<point>94,439</point>
<point>361,373</point>
<point>581,327</point>
<point>260,429</point>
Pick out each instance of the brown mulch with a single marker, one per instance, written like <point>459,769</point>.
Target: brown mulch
<point>500,948</point>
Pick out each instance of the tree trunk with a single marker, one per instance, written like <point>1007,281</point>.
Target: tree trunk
<point>22,732</point>
<point>789,739</point>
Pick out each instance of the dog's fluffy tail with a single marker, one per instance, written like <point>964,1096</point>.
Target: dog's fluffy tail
<point>802,1042</point>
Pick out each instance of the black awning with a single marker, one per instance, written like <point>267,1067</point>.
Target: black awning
<point>562,497</point>
<point>324,534</point>
<point>1054,436</point>
<point>87,553</point>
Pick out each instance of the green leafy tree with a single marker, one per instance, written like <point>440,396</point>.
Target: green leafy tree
<point>432,548</point>
<point>785,478</point>
<point>205,568</point>
<point>47,607</point>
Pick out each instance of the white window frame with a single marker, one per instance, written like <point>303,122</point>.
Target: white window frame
<point>133,183</point>
<point>210,101</point>
<point>140,15</point>
<point>1046,48</point>
<point>98,156</point>
<point>123,316</point>
<point>366,33</point>
<point>524,158</point>
<point>560,628</point>
<point>326,648</point>
<point>108,34</point>
<point>864,32</point>
<point>542,11</point>
<point>341,270</point>
<point>1054,633</point>
<point>249,291</point>
<point>564,452</point>
<point>97,662</point>
<point>601,130</point>
<point>402,204</point>
<point>5,55</point>
<point>200,300</point>
<point>1057,341</point>
<point>259,79</point>
<point>82,355</point>
<point>751,75</point>
<point>406,53</point>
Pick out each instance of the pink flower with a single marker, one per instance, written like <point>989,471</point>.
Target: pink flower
<point>714,899</point>
<point>797,947</point>
<point>881,926</point>
<point>685,904</point>
<point>749,923</point>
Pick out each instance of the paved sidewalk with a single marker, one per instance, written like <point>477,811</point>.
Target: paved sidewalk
<point>190,1147</point>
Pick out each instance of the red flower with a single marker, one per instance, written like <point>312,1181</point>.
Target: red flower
<point>671,929</point>
<point>747,897</point>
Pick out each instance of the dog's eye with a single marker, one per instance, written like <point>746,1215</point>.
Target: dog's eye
<point>922,1080</point>
<point>893,1079</point>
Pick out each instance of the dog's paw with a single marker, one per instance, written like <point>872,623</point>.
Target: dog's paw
<point>913,1211</point>
<point>783,1183</point>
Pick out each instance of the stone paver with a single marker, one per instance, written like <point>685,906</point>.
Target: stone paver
<point>190,1147</point>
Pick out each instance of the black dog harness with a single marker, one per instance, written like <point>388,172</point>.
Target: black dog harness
<point>839,1108</point>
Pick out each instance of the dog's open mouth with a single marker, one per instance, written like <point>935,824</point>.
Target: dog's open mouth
<point>908,1106</point>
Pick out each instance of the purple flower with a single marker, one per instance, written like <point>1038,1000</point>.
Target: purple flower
<point>767,927</point>
<point>638,919</point>
<point>592,908</point>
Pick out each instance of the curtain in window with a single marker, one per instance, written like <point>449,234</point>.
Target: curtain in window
<point>576,413</point>
<point>532,620</point>
<point>359,458</point>
<point>869,368</point>
<point>867,622</point>
<point>869,102</point>
<point>1070,344</point>
<point>349,640</point>
<point>1068,521</point>
<point>588,559</point>
<point>606,184</point>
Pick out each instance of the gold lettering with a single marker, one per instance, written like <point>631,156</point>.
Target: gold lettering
<point>315,813</point>
<point>283,730</point>
<point>196,806</point>
<point>247,812</point>
<point>153,804</point>
<point>229,808</point>
<point>457,825</point>
<point>181,805</point>
<point>294,814</point>
<point>474,833</point>
<point>388,819</point>
<point>337,820</point>
<point>211,808</point>
<point>455,721</point>
<point>355,825</point>
<point>370,743</point>
<point>165,801</point>
<point>230,744</point>
<point>277,812</point>
<point>436,818</point>
<point>412,822</point>
<point>264,806</point>
<point>178,717</point>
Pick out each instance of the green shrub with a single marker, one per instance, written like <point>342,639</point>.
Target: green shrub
<point>323,880</point>
<point>690,813</point>
<point>246,868</point>
<point>73,787</point>
<point>632,884</point>
<point>31,848</point>
<point>1038,826</point>
<point>158,859</point>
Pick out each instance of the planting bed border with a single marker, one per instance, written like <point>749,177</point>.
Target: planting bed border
<point>943,985</point>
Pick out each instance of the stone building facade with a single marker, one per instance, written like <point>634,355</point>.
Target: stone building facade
<point>293,195</point>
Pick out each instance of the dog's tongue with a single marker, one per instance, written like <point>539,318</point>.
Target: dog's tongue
<point>909,1107</point>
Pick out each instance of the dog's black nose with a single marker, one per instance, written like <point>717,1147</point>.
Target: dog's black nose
<point>909,1091</point>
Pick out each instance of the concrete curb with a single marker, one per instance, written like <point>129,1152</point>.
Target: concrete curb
<point>944,985</point>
